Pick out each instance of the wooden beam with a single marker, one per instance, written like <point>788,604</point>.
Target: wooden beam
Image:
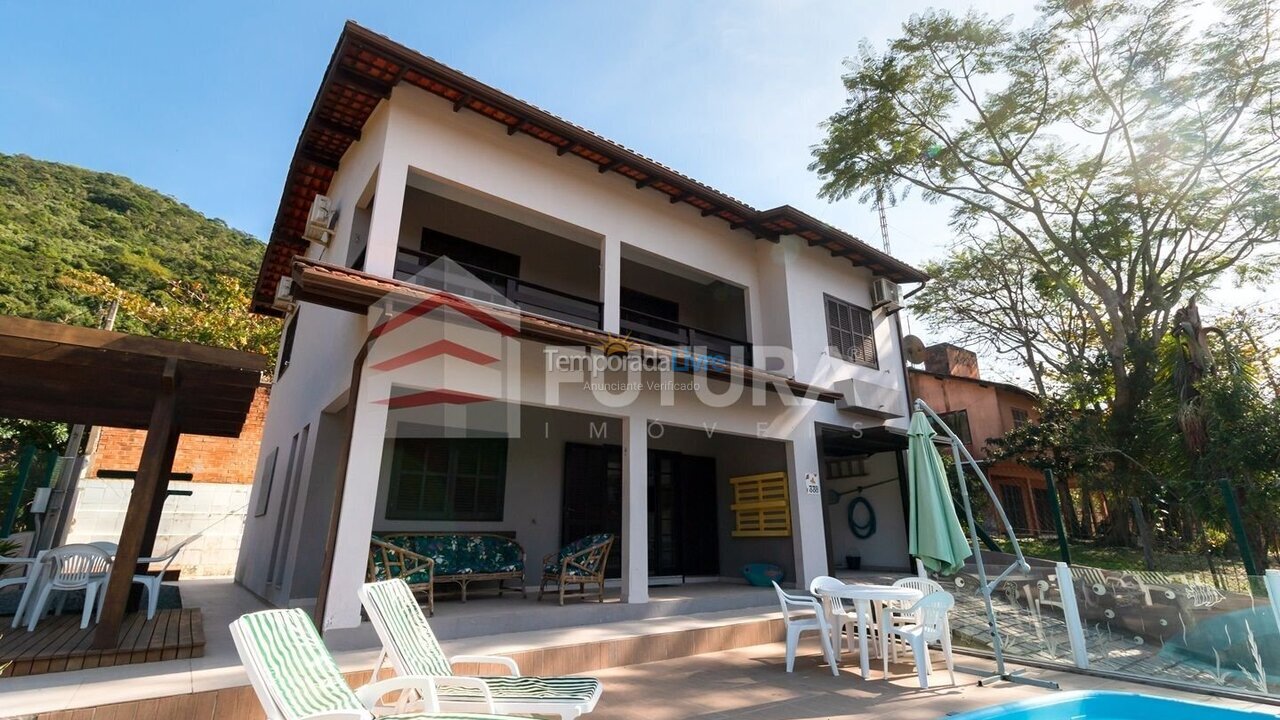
<point>336,129</point>
<point>16,328</point>
<point>152,528</point>
<point>647,181</point>
<point>513,129</point>
<point>566,148</point>
<point>710,211</point>
<point>361,83</point>
<point>155,464</point>
<point>611,166</point>
<point>681,196</point>
<point>461,102</point>
<point>312,157</point>
<point>343,461</point>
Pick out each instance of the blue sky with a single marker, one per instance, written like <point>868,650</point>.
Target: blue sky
<point>205,102</point>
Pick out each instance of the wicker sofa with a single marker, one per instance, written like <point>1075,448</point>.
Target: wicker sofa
<point>424,560</point>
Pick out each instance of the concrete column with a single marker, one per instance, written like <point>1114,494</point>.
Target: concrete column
<point>635,510</point>
<point>807,537</point>
<point>384,223</point>
<point>611,283</point>
<point>359,501</point>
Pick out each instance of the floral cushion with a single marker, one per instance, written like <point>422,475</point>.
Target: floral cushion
<point>573,548</point>
<point>464,554</point>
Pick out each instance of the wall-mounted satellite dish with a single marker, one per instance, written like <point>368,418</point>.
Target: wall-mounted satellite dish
<point>913,347</point>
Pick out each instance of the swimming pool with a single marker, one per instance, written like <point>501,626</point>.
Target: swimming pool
<point>1089,705</point>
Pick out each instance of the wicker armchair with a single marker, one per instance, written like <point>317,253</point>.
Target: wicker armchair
<point>580,563</point>
<point>388,561</point>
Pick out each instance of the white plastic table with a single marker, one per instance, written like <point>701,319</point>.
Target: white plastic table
<point>863,596</point>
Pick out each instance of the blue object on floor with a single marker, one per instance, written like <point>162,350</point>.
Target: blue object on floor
<point>762,574</point>
<point>170,599</point>
<point>1093,705</point>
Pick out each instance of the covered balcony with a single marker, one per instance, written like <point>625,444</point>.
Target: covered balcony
<point>672,304</point>
<point>554,269</point>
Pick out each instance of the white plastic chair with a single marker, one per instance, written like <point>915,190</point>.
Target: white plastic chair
<point>29,571</point>
<point>928,624</point>
<point>842,621</point>
<point>150,580</point>
<point>797,625</point>
<point>897,609</point>
<point>74,567</point>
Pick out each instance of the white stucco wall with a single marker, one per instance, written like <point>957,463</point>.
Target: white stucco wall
<point>415,140</point>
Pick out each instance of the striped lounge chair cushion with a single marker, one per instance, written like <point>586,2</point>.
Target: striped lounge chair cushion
<point>558,690</point>
<point>299,672</point>
<point>416,651</point>
<point>443,716</point>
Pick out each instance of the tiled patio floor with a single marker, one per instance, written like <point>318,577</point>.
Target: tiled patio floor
<point>751,683</point>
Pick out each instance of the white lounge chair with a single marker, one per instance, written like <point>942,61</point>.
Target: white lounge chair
<point>929,624</point>
<point>798,625</point>
<point>407,641</point>
<point>295,677</point>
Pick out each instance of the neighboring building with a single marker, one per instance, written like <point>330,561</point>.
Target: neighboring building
<point>554,244</point>
<point>210,486</point>
<point>979,410</point>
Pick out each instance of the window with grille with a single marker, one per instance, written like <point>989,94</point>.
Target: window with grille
<point>447,479</point>
<point>850,332</point>
<point>1020,417</point>
<point>958,421</point>
<point>1011,499</point>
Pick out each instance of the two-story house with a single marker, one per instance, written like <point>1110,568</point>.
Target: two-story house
<point>979,410</point>
<point>498,321</point>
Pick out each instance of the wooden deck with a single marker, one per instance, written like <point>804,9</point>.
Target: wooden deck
<point>59,644</point>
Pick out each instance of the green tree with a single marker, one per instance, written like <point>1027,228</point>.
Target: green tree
<point>1128,157</point>
<point>213,312</point>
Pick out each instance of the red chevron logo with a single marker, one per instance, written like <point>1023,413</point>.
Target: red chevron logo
<point>435,349</point>
<point>432,397</point>
<point>438,300</point>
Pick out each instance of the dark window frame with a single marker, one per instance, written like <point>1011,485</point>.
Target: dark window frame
<point>287,339</point>
<point>452,482</point>
<point>962,430</point>
<point>1020,416</point>
<point>851,332</point>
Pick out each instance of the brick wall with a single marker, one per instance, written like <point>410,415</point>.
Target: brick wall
<point>207,459</point>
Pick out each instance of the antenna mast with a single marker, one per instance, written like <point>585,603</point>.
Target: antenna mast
<point>884,221</point>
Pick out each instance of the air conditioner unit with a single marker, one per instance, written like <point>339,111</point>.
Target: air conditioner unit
<point>284,295</point>
<point>884,293</point>
<point>321,219</point>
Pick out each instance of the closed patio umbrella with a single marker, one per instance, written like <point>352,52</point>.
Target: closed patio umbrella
<point>935,534</point>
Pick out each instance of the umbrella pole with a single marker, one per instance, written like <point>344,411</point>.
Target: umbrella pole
<point>957,450</point>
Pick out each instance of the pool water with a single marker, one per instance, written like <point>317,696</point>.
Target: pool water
<point>1107,706</point>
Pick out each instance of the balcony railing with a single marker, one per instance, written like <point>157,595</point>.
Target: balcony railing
<point>530,297</point>
<point>413,266</point>
<point>643,326</point>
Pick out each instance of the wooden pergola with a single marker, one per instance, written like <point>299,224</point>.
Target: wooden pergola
<point>87,376</point>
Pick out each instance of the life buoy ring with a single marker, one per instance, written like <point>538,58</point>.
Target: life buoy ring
<point>867,528</point>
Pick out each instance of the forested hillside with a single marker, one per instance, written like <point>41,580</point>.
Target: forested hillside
<point>66,231</point>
